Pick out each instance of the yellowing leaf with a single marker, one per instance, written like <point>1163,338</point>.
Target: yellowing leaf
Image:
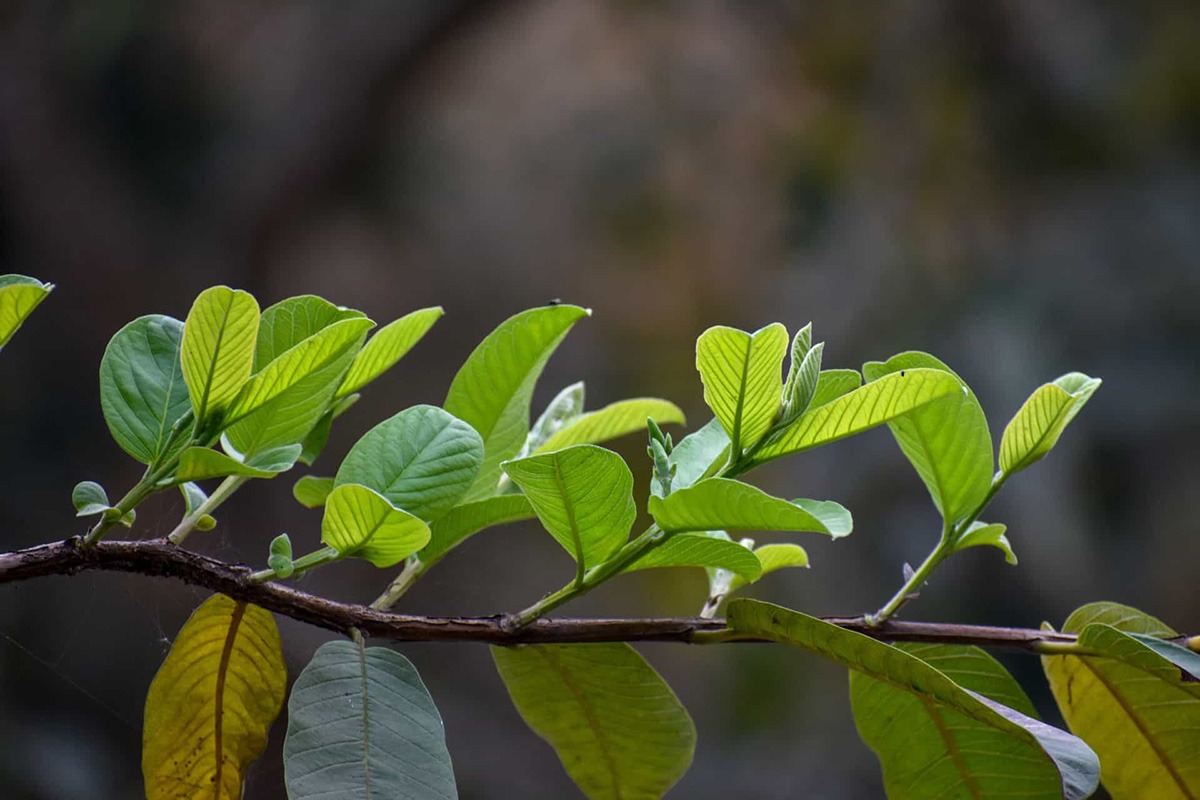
<point>212,702</point>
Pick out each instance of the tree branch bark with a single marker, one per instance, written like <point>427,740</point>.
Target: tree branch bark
<point>160,558</point>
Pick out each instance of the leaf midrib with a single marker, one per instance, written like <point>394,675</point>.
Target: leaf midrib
<point>239,611</point>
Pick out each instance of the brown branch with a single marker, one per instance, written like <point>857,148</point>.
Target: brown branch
<point>162,559</point>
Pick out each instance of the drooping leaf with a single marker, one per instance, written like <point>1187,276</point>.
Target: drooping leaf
<point>361,724</point>
<point>698,550</point>
<point>729,505</point>
<point>743,379</point>
<point>142,392</point>
<point>772,557</point>
<point>696,455</point>
<point>311,491</point>
<point>832,384</point>
<point>981,533</point>
<point>492,390</point>
<point>977,746</point>
<point>19,296</point>
<point>614,420</point>
<point>584,497</point>
<point>360,522</point>
<point>314,443</point>
<point>422,460</point>
<point>289,322</point>
<point>1040,422</point>
<point>947,441</point>
<point>449,530</point>
<point>620,731</point>
<point>218,348</point>
<point>386,347</point>
<point>871,405</point>
<point>212,702</point>
<point>193,497</point>
<point>202,463</point>
<point>89,498</point>
<point>1132,705</point>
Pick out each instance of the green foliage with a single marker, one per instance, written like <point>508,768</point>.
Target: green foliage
<point>729,505</point>
<point>387,347</point>
<point>217,352</point>
<point>19,296</point>
<point>742,379</point>
<point>362,523</point>
<point>453,527</point>
<point>614,420</point>
<point>1040,422</point>
<point>311,491</point>
<point>699,550</point>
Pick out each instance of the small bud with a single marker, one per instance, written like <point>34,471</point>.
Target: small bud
<point>206,522</point>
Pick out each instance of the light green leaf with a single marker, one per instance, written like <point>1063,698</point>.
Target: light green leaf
<point>311,491</point>
<point>947,441</point>
<point>218,349</point>
<point>19,296</point>
<point>699,550</point>
<point>318,437</point>
<point>201,463</point>
<point>362,523</point>
<point>449,530</point>
<point>614,420</point>
<point>832,384</point>
<point>361,724</point>
<point>584,497</point>
<point>142,392</point>
<point>874,404</point>
<point>89,498</point>
<point>981,533</point>
<point>773,557</point>
<point>743,380</point>
<point>387,347</point>
<point>620,731</point>
<point>422,460</point>
<point>193,497</point>
<point>987,749</point>
<point>1040,422</point>
<point>492,391</point>
<point>697,455</point>
<point>726,504</point>
<point>1132,704</point>
<point>289,322</point>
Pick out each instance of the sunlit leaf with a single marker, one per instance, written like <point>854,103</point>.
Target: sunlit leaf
<point>1039,423</point>
<point>698,550</point>
<point>729,505</point>
<point>386,347</point>
<point>743,379</point>
<point>212,702</point>
<point>832,384</point>
<point>311,491</point>
<point>360,522</point>
<point>620,731</point>
<point>986,749</point>
<point>460,522</point>
<point>492,390</point>
<point>289,322</point>
<point>696,455</point>
<point>993,535</point>
<point>565,407</point>
<point>361,724</point>
<point>19,296</point>
<point>615,419</point>
<point>772,557</point>
<point>218,348</point>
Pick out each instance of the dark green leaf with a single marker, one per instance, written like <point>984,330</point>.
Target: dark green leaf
<point>89,498</point>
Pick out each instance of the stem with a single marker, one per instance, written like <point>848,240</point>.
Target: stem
<point>188,523</point>
<point>141,490</point>
<point>414,568</point>
<point>299,566</point>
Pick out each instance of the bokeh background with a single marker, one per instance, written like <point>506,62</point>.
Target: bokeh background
<point>1013,186</point>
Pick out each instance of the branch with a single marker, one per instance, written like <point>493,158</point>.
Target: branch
<point>160,558</point>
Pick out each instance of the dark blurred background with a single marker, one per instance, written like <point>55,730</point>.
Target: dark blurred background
<point>1013,186</point>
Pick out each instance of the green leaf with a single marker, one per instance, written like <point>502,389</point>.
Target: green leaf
<point>314,443</point>
<point>1040,422</point>
<point>311,491</point>
<point>742,379</point>
<point>218,349</point>
<point>201,463</point>
<point>620,731</point>
<point>947,441</point>
<point>726,504</point>
<point>583,495</point>
<point>387,347</point>
<point>803,375</point>
<point>362,724</point>
<point>874,404</point>
<point>449,530</point>
<point>977,745</point>
<point>1131,704</point>
<point>565,407</point>
<point>19,296</point>
<point>981,533</point>
<point>142,392</point>
<point>614,420</point>
<point>699,550</point>
<point>772,557</point>
<point>289,322</point>
<point>422,460</point>
<point>832,384</point>
<point>695,456</point>
<point>492,391</point>
<point>193,497</point>
<point>89,498</point>
<point>360,522</point>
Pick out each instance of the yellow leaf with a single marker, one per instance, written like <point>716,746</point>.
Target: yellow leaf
<point>212,702</point>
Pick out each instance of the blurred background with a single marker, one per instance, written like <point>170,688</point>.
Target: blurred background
<point>1013,186</point>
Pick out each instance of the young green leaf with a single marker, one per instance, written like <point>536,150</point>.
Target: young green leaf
<point>947,441</point>
<point>202,463</point>
<point>699,550</point>
<point>584,497</point>
<point>311,491</point>
<point>218,349</point>
<point>449,530</point>
<point>619,730</point>
<point>803,375</point>
<point>1040,422</point>
<point>614,420</point>
<point>142,392</point>
<point>696,455</point>
<point>726,504</point>
<point>874,404</point>
<point>289,322</point>
<point>280,557</point>
<point>360,522</point>
<point>832,384</point>
<point>565,407</point>
<point>772,557</point>
<point>492,391</point>
<point>89,498</point>
<point>743,380</point>
<point>361,724</point>
<point>386,347</point>
<point>1130,703</point>
<point>985,747</point>
<point>19,296</point>
<point>193,497</point>
<point>981,533</point>
<point>422,460</point>
<point>212,702</point>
